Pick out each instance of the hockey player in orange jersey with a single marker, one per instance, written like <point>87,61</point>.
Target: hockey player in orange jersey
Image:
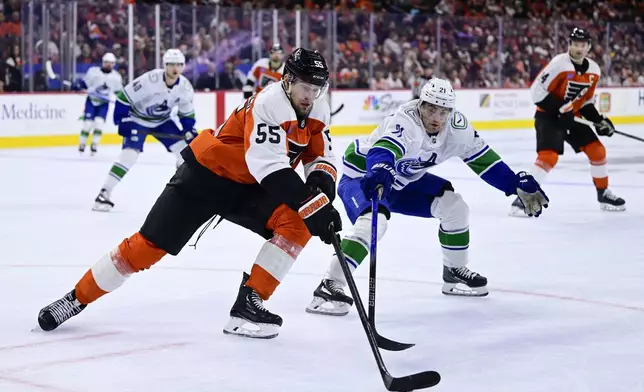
<point>565,88</point>
<point>245,173</point>
<point>264,72</point>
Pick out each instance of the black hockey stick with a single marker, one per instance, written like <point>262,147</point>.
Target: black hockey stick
<point>592,124</point>
<point>411,382</point>
<point>338,110</point>
<point>384,343</point>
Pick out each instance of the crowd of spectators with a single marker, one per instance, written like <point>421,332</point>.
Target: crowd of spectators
<point>474,43</point>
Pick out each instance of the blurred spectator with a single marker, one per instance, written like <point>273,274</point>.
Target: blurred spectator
<point>474,43</point>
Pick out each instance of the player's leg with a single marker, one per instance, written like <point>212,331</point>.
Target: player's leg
<point>329,297</point>
<point>132,147</point>
<point>434,197</point>
<point>550,144</point>
<point>99,123</point>
<point>88,123</point>
<point>286,235</point>
<point>583,139</point>
<point>171,143</point>
<point>184,205</point>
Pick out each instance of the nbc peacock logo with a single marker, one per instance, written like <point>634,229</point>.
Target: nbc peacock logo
<point>371,103</point>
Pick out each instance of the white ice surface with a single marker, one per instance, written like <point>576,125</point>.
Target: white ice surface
<point>565,311</point>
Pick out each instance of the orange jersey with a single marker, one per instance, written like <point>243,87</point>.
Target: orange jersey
<point>261,74</point>
<point>263,136</point>
<point>560,79</point>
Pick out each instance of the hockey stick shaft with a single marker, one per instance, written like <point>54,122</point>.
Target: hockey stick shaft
<point>592,124</point>
<point>407,383</point>
<point>338,110</point>
<point>383,342</point>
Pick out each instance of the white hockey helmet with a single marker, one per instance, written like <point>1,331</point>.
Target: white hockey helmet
<point>436,103</point>
<point>109,58</point>
<point>173,56</point>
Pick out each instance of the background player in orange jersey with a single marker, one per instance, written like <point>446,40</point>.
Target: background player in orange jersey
<point>264,72</point>
<point>244,172</point>
<point>565,88</point>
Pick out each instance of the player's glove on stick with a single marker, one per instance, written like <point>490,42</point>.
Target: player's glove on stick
<point>605,127</point>
<point>318,214</point>
<point>531,195</point>
<point>380,175</point>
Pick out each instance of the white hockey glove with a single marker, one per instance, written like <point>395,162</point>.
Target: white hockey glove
<point>532,197</point>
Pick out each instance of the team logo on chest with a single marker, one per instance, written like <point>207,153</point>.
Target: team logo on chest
<point>573,89</point>
<point>159,109</point>
<point>408,167</point>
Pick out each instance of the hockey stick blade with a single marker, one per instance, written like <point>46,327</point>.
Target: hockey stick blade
<point>401,384</point>
<point>412,382</point>
<point>391,345</point>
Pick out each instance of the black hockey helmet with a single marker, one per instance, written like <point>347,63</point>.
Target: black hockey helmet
<point>579,34</point>
<point>308,66</point>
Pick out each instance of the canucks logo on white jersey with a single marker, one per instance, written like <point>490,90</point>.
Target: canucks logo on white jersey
<point>409,167</point>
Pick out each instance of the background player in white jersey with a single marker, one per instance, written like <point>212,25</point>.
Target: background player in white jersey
<point>264,72</point>
<point>244,172</point>
<point>100,83</point>
<point>563,90</point>
<point>146,106</point>
<point>395,158</point>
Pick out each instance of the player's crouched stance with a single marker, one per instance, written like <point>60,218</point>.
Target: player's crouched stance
<point>395,158</point>
<point>243,172</point>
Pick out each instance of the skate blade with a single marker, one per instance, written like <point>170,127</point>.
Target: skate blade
<point>462,290</point>
<point>100,207</point>
<point>612,208</point>
<point>240,327</point>
<point>328,308</point>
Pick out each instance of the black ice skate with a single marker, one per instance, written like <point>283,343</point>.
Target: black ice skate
<point>93,149</point>
<point>81,148</point>
<point>455,278</point>
<point>249,317</point>
<point>609,202</point>
<point>102,202</point>
<point>329,299</point>
<point>517,209</point>
<point>56,313</point>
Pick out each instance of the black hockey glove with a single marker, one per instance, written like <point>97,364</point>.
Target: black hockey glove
<point>318,214</point>
<point>605,127</point>
<point>323,178</point>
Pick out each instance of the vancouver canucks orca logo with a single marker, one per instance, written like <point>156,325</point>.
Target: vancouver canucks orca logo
<point>410,166</point>
<point>158,110</point>
<point>103,89</point>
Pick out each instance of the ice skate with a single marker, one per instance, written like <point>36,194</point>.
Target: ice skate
<point>81,148</point>
<point>329,299</point>
<point>249,317</point>
<point>609,202</point>
<point>93,149</point>
<point>56,313</point>
<point>461,281</point>
<point>102,202</point>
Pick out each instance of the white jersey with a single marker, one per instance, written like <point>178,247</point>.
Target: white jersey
<point>101,85</point>
<point>414,151</point>
<point>152,102</point>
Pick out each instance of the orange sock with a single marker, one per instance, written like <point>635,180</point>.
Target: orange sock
<point>596,153</point>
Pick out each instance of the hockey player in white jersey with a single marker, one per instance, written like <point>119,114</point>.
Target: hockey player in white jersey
<point>394,159</point>
<point>145,107</point>
<point>101,83</point>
